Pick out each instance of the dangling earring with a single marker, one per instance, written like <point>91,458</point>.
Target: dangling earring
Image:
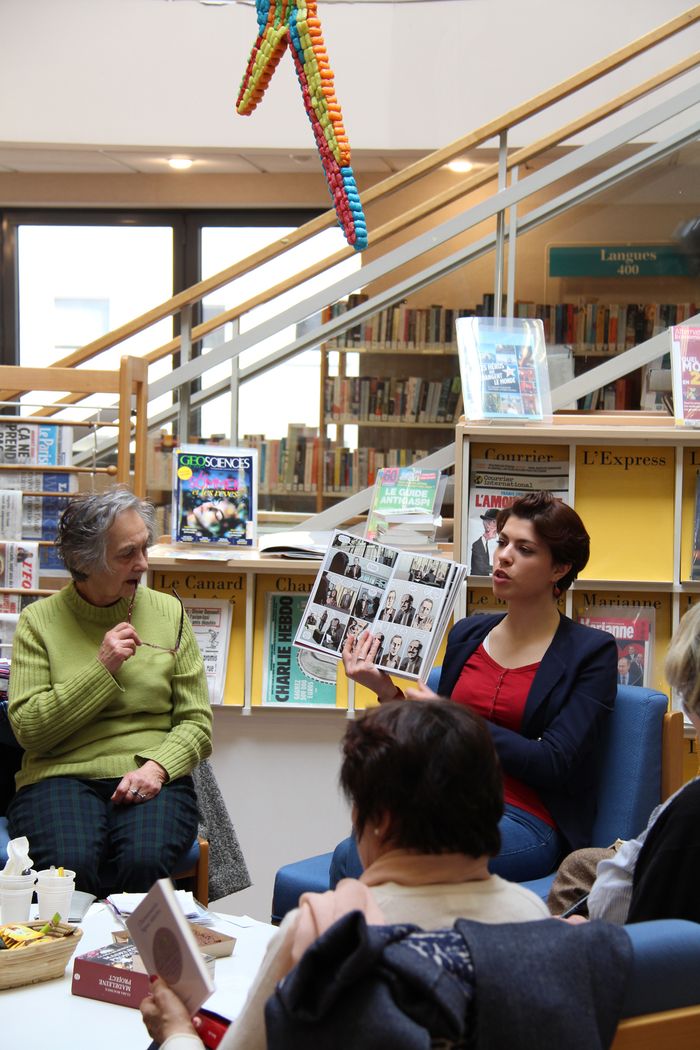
<point>376,831</point>
<point>556,591</point>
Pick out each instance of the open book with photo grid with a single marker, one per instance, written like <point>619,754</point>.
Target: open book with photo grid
<point>402,596</point>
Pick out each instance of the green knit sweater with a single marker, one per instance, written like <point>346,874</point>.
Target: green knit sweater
<point>76,719</point>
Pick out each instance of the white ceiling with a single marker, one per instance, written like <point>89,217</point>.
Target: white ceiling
<point>111,160</point>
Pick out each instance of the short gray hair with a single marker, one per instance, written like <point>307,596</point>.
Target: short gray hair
<point>682,667</point>
<point>82,528</point>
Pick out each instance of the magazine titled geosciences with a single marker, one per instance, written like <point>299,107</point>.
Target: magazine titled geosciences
<point>403,597</point>
<point>215,495</point>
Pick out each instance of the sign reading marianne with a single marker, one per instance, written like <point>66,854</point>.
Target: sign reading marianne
<point>619,260</point>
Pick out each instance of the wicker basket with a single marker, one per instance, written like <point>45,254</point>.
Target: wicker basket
<point>41,962</point>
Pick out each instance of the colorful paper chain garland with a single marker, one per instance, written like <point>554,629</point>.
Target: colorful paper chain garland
<point>282,21</point>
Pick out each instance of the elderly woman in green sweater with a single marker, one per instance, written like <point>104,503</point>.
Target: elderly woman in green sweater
<point>109,699</point>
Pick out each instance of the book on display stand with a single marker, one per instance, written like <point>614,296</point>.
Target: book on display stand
<point>405,495</point>
<point>503,364</point>
<point>685,373</point>
<point>215,495</point>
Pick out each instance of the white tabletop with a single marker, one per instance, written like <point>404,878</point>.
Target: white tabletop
<point>44,1016</point>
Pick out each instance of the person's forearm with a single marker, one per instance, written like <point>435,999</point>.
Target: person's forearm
<point>189,740</point>
<point>392,692</point>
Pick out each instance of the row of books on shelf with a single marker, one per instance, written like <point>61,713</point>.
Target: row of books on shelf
<point>295,463</point>
<point>623,394</point>
<point>384,399</point>
<point>610,327</point>
<point>606,327</point>
<point>399,327</point>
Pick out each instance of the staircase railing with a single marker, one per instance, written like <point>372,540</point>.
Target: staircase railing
<point>508,195</point>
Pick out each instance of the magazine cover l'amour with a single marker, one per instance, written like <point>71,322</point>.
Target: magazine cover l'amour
<point>215,495</point>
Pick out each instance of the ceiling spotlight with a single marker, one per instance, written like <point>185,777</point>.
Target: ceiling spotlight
<point>460,166</point>
<point>180,163</point>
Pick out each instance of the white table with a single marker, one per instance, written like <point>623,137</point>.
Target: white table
<point>47,1016</point>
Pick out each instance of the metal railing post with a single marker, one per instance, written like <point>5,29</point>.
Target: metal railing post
<point>183,416</point>
<point>512,248</point>
<point>500,225</point>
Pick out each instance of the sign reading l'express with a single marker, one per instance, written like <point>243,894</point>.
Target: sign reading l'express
<point>619,260</point>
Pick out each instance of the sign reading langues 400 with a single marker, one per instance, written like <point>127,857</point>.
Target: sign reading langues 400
<point>619,260</point>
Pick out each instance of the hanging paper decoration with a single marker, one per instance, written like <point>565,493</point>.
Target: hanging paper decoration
<point>296,22</point>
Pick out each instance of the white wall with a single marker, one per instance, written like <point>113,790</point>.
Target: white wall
<point>149,72</point>
<point>278,772</point>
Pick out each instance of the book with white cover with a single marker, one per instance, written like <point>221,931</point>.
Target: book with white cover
<point>168,947</point>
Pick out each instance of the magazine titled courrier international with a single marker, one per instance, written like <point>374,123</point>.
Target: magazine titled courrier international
<point>404,597</point>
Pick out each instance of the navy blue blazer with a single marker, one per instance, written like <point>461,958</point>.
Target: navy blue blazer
<point>572,694</point>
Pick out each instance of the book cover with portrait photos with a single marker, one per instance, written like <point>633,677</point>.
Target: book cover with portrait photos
<point>404,598</point>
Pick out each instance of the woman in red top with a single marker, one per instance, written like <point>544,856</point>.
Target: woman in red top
<point>545,684</point>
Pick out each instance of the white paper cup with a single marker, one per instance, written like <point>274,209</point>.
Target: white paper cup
<point>54,893</point>
<point>16,897</point>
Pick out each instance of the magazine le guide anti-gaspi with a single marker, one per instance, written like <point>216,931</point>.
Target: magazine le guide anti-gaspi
<point>398,490</point>
<point>404,597</point>
<point>215,495</point>
<point>503,364</point>
<point>685,373</point>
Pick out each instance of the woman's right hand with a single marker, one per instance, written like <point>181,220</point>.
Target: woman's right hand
<point>164,1014</point>
<point>358,661</point>
<point>117,646</point>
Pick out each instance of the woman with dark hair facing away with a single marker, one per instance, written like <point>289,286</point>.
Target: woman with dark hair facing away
<point>109,700</point>
<point>426,794</point>
<point>545,684</point>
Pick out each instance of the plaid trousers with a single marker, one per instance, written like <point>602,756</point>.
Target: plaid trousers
<point>72,822</point>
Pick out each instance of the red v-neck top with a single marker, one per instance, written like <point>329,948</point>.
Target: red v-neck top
<point>499,695</point>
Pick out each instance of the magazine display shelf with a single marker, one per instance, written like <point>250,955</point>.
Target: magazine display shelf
<point>633,480</point>
<point>243,579</point>
<point>129,384</point>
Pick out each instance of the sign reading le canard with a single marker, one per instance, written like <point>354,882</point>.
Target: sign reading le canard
<point>619,260</point>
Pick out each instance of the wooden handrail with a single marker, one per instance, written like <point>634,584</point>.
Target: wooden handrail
<point>388,186</point>
<point>131,379</point>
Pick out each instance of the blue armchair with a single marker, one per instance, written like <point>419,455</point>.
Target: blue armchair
<point>642,764</point>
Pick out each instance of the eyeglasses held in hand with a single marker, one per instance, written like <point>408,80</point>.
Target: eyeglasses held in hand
<point>151,645</point>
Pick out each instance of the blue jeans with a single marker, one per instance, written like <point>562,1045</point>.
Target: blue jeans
<point>529,849</point>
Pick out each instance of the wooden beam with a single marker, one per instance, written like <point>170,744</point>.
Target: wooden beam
<point>672,755</point>
<point>667,1030</point>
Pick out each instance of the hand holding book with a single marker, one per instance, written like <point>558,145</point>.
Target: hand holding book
<point>164,1014</point>
<point>394,605</point>
<point>359,656</point>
